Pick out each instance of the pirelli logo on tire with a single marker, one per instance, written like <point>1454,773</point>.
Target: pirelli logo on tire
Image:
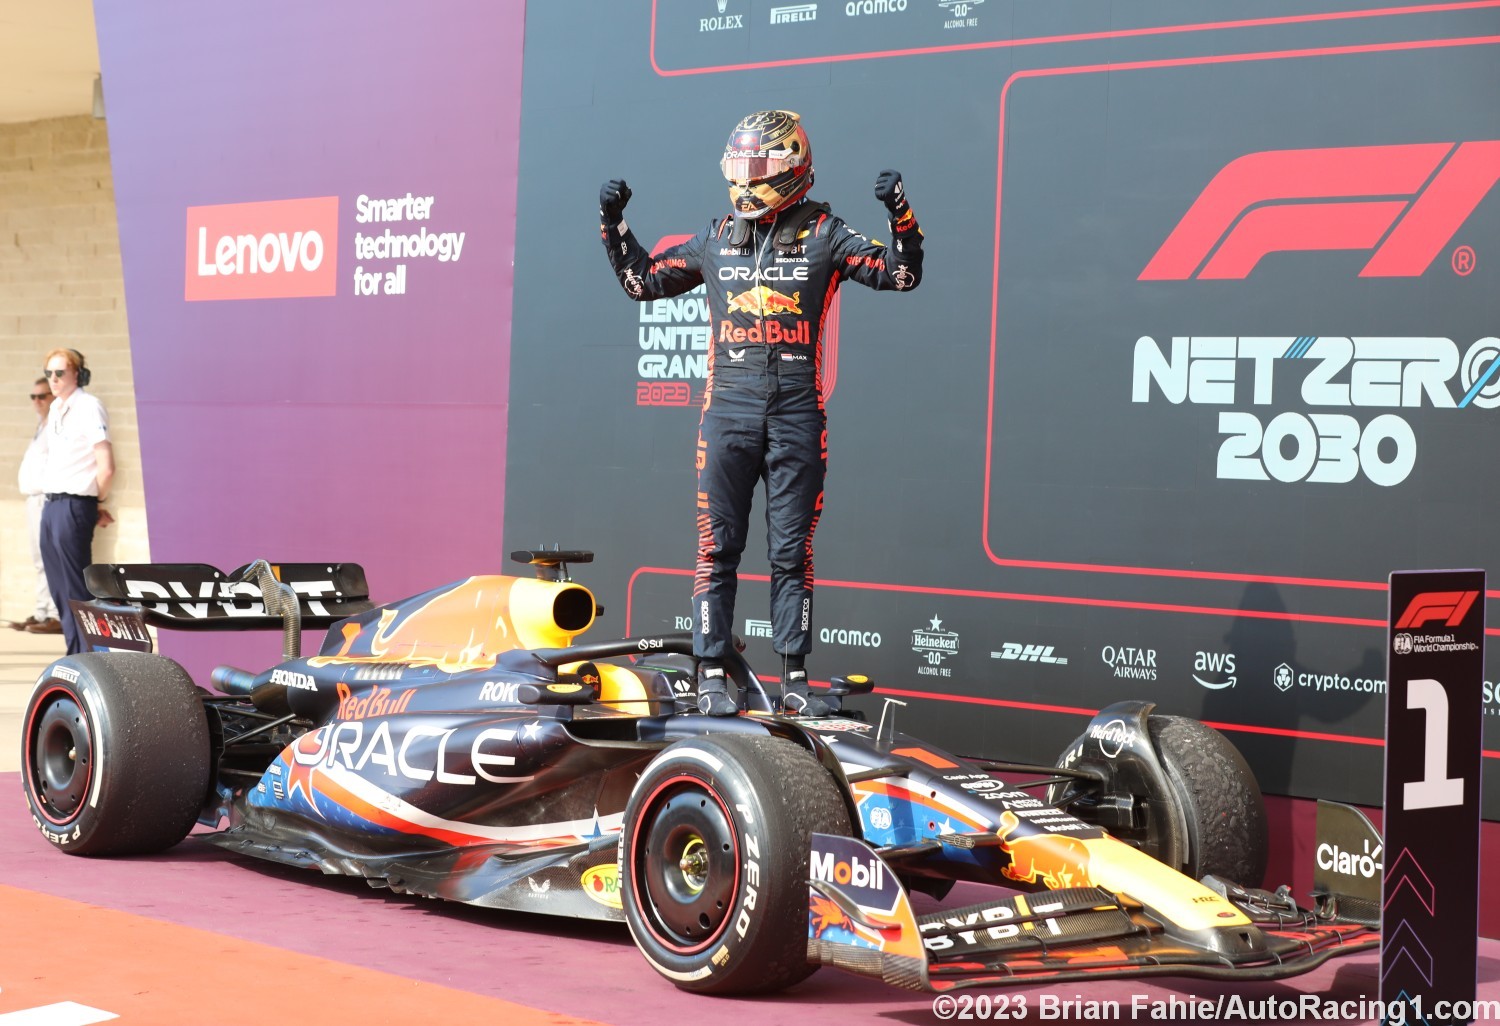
<point>279,249</point>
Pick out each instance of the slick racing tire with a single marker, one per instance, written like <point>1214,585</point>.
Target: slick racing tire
<point>1212,795</point>
<point>115,753</point>
<point>714,859</point>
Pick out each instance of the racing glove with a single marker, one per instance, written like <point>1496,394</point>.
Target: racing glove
<point>890,191</point>
<point>613,195</point>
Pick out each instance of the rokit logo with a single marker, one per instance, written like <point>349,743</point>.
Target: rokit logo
<point>1014,650</point>
<point>934,645</point>
<point>1214,670</point>
<point>1128,662</point>
<point>723,20</point>
<point>1341,198</point>
<point>273,250</point>
<point>1357,373</point>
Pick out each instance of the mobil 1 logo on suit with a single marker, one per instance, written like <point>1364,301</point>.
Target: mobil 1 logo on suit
<point>1434,738</point>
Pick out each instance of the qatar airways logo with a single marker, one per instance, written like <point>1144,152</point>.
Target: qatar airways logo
<point>1405,202</point>
<point>272,250</point>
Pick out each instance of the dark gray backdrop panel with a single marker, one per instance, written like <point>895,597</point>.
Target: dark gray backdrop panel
<point>990,476</point>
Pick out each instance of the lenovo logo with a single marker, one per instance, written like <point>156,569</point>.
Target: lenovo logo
<point>272,250</point>
<point>1405,202</point>
<point>1448,606</point>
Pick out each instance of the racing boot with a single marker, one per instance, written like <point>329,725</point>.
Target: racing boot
<point>713,693</point>
<point>796,699</point>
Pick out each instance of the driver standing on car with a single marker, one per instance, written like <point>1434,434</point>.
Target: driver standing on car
<point>771,266</point>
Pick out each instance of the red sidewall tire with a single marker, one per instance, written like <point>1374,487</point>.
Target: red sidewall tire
<point>114,753</point>
<point>714,860</point>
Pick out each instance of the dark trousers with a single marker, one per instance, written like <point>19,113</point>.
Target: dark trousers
<point>67,547</point>
<point>766,424</point>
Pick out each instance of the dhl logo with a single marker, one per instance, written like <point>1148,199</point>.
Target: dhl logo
<point>1051,859</point>
<point>762,300</point>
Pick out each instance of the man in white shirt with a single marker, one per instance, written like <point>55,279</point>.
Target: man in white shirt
<point>80,466</point>
<point>43,619</point>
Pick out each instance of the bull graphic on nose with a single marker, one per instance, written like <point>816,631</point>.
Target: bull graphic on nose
<point>1052,860</point>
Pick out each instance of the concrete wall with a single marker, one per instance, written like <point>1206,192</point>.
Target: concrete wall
<point>61,285</point>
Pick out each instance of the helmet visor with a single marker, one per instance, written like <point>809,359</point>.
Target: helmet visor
<point>749,165</point>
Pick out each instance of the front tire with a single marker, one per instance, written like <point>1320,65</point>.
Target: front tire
<point>714,859</point>
<point>115,753</point>
<point>1208,818</point>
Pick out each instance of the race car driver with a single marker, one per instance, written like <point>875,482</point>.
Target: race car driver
<point>771,267</point>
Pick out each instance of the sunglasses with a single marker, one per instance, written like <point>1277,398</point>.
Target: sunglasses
<point>56,373</point>
<point>43,395</point>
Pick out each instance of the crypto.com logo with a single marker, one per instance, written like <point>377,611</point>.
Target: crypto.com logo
<point>1448,606</point>
<point>1405,201</point>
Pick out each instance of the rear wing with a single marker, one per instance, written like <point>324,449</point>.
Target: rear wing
<point>196,596</point>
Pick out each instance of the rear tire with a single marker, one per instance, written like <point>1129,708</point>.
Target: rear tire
<point>115,753</point>
<point>714,859</point>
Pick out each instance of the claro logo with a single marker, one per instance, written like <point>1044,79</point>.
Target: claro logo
<point>1406,202</point>
<point>273,250</point>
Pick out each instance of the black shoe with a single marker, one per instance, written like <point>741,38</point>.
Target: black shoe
<point>713,694</point>
<point>798,701</point>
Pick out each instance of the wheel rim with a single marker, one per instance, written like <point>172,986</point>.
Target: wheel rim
<point>59,756</point>
<point>684,869</point>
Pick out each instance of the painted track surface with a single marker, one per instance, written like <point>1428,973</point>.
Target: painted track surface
<point>182,937</point>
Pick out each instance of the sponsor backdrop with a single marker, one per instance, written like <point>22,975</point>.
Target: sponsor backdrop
<point>1205,348</point>
<point>316,216</point>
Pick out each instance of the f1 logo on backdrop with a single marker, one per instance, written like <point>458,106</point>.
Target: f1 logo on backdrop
<point>1448,606</point>
<point>1404,201</point>
<point>272,250</point>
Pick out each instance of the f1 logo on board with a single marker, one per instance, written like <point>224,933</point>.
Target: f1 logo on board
<point>1406,201</point>
<point>279,249</point>
<point>1448,606</point>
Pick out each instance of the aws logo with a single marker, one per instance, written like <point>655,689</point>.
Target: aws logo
<point>272,250</point>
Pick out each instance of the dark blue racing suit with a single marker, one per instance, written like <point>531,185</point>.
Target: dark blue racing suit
<point>769,288</point>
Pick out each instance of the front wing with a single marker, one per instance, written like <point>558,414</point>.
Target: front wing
<point>860,919</point>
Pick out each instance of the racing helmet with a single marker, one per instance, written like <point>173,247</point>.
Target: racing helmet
<point>767,162</point>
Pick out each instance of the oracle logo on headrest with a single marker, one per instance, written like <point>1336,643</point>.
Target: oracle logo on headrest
<point>270,250</point>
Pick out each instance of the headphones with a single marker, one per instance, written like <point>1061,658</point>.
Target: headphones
<point>84,374</point>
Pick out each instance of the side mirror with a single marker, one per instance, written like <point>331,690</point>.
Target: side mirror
<point>850,684</point>
<point>579,688</point>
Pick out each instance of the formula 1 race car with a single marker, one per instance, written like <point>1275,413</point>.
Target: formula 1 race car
<point>462,744</point>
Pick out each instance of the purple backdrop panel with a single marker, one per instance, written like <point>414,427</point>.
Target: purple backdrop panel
<point>316,208</point>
